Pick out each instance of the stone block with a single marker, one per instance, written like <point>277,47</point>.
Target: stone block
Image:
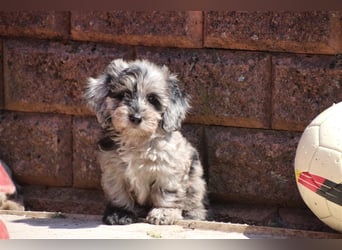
<point>86,168</point>
<point>304,86</point>
<point>65,200</point>
<point>48,76</point>
<point>241,213</point>
<point>303,219</point>
<point>227,88</point>
<point>301,31</point>
<point>150,28</point>
<point>252,166</point>
<point>2,95</point>
<point>37,147</point>
<point>37,24</point>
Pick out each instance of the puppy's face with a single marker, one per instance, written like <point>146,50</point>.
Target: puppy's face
<point>136,98</point>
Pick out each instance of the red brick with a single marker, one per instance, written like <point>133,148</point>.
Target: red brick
<point>2,96</point>
<point>58,71</point>
<point>252,166</point>
<point>303,32</point>
<point>272,216</point>
<point>65,200</point>
<point>242,213</point>
<point>37,147</point>
<point>151,28</point>
<point>86,169</point>
<point>227,88</point>
<point>303,87</point>
<point>38,24</point>
<point>303,219</point>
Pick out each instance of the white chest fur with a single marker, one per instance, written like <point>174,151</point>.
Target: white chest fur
<point>153,168</point>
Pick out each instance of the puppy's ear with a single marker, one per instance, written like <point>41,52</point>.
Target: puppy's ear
<point>177,107</point>
<point>97,90</point>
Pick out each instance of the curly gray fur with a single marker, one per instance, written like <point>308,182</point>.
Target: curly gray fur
<point>148,168</point>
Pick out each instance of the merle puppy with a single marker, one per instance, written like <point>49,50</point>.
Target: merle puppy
<point>148,168</point>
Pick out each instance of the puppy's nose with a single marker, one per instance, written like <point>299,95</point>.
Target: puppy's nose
<point>135,118</point>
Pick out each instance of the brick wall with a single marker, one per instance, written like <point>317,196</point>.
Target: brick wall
<point>256,80</point>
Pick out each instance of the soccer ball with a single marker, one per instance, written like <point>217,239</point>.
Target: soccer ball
<point>318,166</point>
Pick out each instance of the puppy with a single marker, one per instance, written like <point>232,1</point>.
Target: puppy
<point>148,168</point>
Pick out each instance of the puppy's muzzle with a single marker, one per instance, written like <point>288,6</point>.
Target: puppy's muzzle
<point>135,118</point>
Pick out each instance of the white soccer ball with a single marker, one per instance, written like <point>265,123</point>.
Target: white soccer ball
<point>318,166</point>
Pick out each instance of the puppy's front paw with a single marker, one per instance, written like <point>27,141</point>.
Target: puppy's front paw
<point>118,216</point>
<point>164,216</point>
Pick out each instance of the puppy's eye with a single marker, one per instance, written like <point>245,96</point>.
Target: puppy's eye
<point>153,99</point>
<point>119,95</point>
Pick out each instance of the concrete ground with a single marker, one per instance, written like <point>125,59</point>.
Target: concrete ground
<point>47,225</point>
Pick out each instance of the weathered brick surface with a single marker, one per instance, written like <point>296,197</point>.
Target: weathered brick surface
<point>303,87</point>
<point>303,32</point>
<point>38,24</point>
<point>150,28</point>
<point>241,213</point>
<point>86,169</point>
<point>37,147</point>
<point>66,200</point>
<point>48,55</point>
<point>227,88</point>
<point>252,166</point>
<point>272,216</point>
<point>45,76</point>
<point>302,218</point>
<point>2,95</point>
